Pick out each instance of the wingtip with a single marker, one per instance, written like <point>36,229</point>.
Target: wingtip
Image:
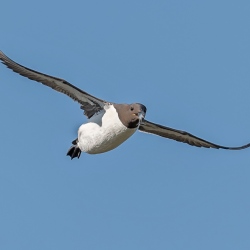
<point>241,147</point>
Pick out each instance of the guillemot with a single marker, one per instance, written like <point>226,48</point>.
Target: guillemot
<point>109,124</point>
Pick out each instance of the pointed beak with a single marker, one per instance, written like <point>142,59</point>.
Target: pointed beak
<point>141,115</point>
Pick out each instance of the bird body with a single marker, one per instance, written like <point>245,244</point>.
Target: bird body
<point>109,124</point>
<point>103,132</point>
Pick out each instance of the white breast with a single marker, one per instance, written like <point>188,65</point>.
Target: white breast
<point>103,132</point>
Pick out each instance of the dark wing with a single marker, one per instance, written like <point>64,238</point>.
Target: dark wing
<point>90,104</point>
<point>181,136</point>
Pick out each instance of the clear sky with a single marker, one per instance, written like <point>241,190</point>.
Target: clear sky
<point>189,63</point>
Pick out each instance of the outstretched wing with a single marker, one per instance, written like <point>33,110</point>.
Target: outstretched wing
<point>89,103</point>
<point>181,136</point>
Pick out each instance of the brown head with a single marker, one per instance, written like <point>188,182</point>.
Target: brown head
<point>131,114</point>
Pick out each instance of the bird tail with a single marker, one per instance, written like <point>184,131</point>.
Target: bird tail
<point>74,150</point>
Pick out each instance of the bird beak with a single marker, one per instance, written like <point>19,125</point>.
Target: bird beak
<point>141,115</point>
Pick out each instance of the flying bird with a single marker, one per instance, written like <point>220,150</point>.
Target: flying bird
<point>109,124</point>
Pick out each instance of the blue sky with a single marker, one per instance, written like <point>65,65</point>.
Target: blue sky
<point>188,62</point>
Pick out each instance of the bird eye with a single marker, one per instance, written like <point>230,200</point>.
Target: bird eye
<point>131,108</point>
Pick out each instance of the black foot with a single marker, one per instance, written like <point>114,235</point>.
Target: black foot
<point>74,151</point>
<point>75,141</point>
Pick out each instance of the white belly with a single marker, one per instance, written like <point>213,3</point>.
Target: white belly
<point>103,132</point>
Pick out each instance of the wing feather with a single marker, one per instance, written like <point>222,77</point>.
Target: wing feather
<point>181,136</point>
<point>89,103</point>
